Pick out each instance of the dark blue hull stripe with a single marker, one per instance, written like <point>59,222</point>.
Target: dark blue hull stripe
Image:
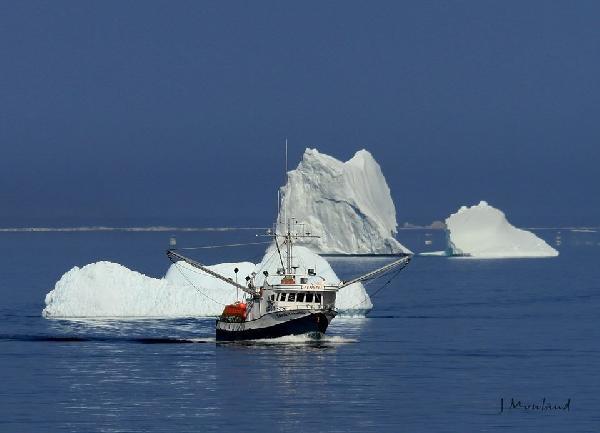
<point>316,322</point>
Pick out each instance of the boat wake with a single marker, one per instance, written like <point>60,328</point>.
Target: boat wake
<point>100,339</point>
<point>299,340</point>
<point>291,340</point>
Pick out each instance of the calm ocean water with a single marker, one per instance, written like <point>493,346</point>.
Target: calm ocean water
<point>445,342</point>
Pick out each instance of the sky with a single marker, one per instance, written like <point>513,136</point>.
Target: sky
<point>152,112</point>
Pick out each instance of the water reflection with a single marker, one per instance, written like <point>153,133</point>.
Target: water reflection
<point>109,382</point>
<point>113,383</point>
<point>191,329</point>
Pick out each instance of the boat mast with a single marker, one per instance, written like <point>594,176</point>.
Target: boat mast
<point>285,182</point>
<point>287,224</point>
<point>288,245</point>
<point>288,234</point>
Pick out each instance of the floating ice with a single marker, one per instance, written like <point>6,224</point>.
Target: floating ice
<point>105,289</point>
<point>482,231</point>
<point>348,204</point>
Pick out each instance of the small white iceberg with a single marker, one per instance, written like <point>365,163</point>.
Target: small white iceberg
<point>482,231</point>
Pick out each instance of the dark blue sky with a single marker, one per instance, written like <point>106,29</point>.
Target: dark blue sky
<point>171,111</point>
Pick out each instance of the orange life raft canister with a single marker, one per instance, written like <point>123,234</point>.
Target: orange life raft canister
<point>236,310</point>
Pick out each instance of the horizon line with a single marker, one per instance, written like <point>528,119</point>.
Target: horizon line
<point>101,228</point>
<point>126,229</point>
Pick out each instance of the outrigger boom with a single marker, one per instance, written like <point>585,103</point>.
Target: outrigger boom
<point>402,262</point>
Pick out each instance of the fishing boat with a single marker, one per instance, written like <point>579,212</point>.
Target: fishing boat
<point>294,301</point>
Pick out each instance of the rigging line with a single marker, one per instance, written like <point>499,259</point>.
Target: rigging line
<point>384,285</point>
<point>221,246</point>
<point>279,252</point>
<point>197,289</point>
<point>371,280</point>
<point>199,272</point>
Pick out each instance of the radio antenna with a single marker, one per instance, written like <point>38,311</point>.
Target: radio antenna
<point>286,181</point>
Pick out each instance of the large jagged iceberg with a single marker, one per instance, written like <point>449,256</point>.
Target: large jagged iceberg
<point>482,231</point>
<point>348,204</point>
<point>105,289</point>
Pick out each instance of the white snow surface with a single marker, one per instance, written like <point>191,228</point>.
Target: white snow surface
<point>348,204</point>
<point>482,231</point>
<point>105,289</point>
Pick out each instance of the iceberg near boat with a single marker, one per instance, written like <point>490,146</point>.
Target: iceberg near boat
<point>105,289</point>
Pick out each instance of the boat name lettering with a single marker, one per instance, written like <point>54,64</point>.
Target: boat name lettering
<point>313,286</point>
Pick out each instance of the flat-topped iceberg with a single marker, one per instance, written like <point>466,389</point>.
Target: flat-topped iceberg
<point>105,289</point>
<point>348,204</point>
<point>483,231</point>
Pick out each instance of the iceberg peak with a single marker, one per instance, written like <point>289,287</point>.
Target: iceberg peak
<point>348,204</point>
<point>362,157</point>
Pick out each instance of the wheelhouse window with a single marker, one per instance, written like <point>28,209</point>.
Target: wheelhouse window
<point>300,297</point>
<point>304,280</point>
<point>292,297</point>
<point>282,296</point>
<point>309,297</point>
<point>318,298</point>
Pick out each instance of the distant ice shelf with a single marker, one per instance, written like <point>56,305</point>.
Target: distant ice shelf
<point>482,231</point>
<point>106,289</point>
